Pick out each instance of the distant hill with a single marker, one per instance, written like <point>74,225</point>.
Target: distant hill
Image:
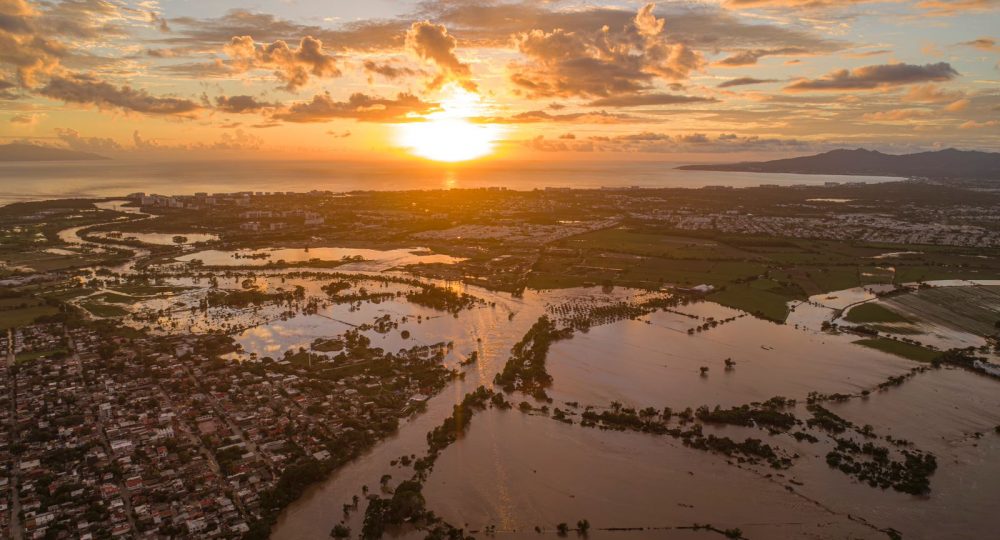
<point>948,163</point>
<point>31,152</point>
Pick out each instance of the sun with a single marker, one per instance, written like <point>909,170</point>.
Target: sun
<point>448,135</point>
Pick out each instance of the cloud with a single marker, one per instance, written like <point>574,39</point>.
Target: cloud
<point>929,93</point>
<point>798,4</point>
<point>24,45</point>
<point>896,115</point>
<point>241,104</point>
<point>750,57</point>
<point>876,76</point>
<point>86,90</point>
<point>744,81</point>
<point>603,63</point>
<point>237,140</point>
<point>983,43</point>
<point>7,92</point>
<point>374,35</point>
<point>957,106</point>
<point>956,7</point>
<point>646,100</point>
<point>74,141</point>
<point>867,54</point>
<point>359,106</point>
<point>389,70</point>
<point>490,24</point>
<point>432,43</point>
<point>972,124</point>
<point>200,70</point>
<point>293,66</point>
<point>531,117</point>
<point>27,119</point>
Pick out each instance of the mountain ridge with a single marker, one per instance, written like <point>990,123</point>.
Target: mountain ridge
<point>947,163</point>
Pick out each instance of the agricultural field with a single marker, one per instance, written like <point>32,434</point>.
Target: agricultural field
<point>871,312</point>
<point>974,309</point>
<point>899,348</point>
<point>758,275</point>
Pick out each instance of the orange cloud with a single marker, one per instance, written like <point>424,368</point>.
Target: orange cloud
<point>874,77</point>
<point>359,107</point>
<point>292,66</point>
<point>432,43</point>
<point>896,115</point>
<point>87,90</point>
<point>603,63</point>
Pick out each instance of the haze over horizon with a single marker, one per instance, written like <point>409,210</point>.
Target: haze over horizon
<point>455,80</point>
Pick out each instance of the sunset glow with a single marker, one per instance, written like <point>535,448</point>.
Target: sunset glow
<point>449,135</point>
<point>462,80</point>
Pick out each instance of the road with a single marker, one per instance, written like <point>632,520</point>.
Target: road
<point>122,489</point>
<point>16,527</point>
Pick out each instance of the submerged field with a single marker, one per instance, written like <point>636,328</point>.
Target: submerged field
<point>515,470</point>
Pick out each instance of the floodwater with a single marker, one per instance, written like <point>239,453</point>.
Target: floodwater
<point>159,239</point>
<point>492,333</point>
<point>373,259</point>
<point>654,362</point>
<point>516,471</point>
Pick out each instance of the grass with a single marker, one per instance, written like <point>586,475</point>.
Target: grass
<point>22,317</point>
<point>754,300</point>
<point>870,312</point>
<point>68,293</point>
<point>652,244</point>
<point>797,268</point>
<point>25,357</point>
<point>899,348</point>
<point>104,310</point>
<point>113,298</point>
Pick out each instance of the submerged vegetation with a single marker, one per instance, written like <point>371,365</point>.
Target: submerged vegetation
<point>525,369</point>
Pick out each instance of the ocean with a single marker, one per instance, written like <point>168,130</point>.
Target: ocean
<point>25,181</point>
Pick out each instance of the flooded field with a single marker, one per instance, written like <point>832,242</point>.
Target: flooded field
<point>513,471</point>
<point>654,362</point>
<point>973,309</point>
<point>516,471</point>
<point>367,259</point>
<point>159,239</point>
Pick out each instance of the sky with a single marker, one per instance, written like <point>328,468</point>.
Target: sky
<point>451,80</point>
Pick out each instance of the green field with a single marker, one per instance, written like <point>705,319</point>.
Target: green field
<point>104,310</point>
<point>898,348</point>
<point>764,298</point>
<point>757,274</point>
<point>870,312</point>
<point>24,357</point>
<point>24,316</point>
